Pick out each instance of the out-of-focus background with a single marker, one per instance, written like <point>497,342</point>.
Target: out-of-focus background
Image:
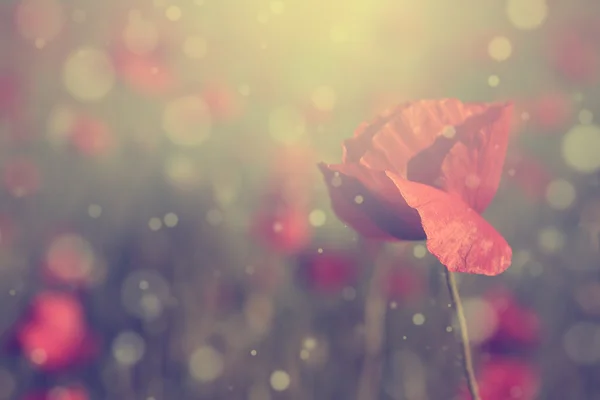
<point>165,234</point>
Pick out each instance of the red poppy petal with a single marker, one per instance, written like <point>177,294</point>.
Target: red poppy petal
<point>369,202</point>
<point>356,147</point>
<point>473,167</point>
<point>459,237</point>
<point>399,134</point>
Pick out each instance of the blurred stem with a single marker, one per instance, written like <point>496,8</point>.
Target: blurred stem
<point>375,314</point>
<point>464,334</point>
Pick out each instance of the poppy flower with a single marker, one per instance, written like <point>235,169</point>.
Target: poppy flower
<point>427,170</point>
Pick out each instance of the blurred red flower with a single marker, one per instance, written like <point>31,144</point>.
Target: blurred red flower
<point>507,378</point>
<point>517,325</point>
<point>91,136</point>
<point>402,284</point>
<point>329,272</point>
<point>283,228</point>
<point>22,177</point>
<point>10,95</point>
<point>55,334</point>
<point>223,102</point>
<point>529,174</point>
<point>552,110</point>
<point>149,75</point>
<point>426,170</point>
<point>574,50</point>
<point>59,393</point>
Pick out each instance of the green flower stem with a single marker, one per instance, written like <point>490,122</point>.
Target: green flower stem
<point>464,334</point>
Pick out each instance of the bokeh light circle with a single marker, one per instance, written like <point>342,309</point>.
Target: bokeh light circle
<point>551,240</point>
<point>128,348</point>
<point>145,294</point>
<point>581,148</point>
<point>527,14</point>
<point>70,258</point>
<point>582,343</point>
<point>560,194</point>
<point>186,121</point>
<point>500,48</point>
<point>206,364</point>
<point>280,380</point>
<point>482,320</point>
<point>88,74</point>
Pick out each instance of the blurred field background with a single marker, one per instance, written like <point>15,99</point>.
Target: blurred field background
<point>165,234</point>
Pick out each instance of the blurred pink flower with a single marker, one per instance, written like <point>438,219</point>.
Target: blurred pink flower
<point>59,393</point>
<point>282,220</point>
<point>55,334</point>
<point>551,111</point>
<point>91,136</point>
<point>506,379</point>
<point>402,284</point>
<point>574,52</point>
<point>517,325</point>
<point>149,75</point>
<point>284,228</point>
<point>21,177</point>
<point>329,272</point>
<point>529,174</point>
<point>224,103</point>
